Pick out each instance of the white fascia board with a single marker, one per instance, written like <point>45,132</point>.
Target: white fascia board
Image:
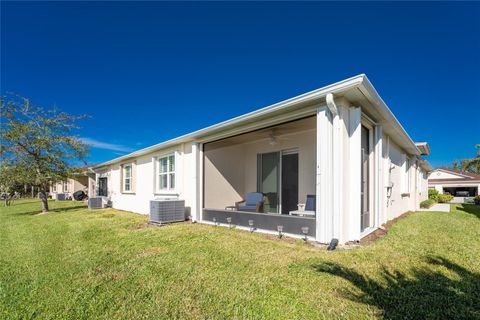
<point>426,165</point>
<point>248,117</point>
<point>361,82</point>
<point>454,173</point>
<point>423,147</point>
<point>457,183</point>
<point>371,94</point>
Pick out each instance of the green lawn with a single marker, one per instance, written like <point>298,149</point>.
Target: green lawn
<point>77,263</point>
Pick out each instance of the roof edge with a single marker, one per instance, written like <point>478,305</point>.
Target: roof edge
<point>375,98</point>
<point>423,147</point>
<point>336,87</point>
<point>359,81</point>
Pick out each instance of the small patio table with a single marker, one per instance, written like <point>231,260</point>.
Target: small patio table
<point>300,213</point>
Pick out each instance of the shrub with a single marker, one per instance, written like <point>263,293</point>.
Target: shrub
<point>477,200</point>
<point>469,200</point>
<point>427,203</point>
<point>433,194</point>
<point>444,198</point>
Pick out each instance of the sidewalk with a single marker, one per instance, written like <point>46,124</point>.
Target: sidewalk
<point>439,207</point>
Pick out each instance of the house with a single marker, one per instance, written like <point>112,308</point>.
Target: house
<point>455,182</point>
<point>84,181</point>
<point>338,150</point>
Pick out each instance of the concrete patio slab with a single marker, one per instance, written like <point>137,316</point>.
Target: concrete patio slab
<point>439,207</point>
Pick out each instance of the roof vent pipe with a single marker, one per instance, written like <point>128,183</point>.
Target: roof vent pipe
<point>331,104</point>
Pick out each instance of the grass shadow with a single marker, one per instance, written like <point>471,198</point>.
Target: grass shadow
<point>31,213</point>
<point>424,293</point>
<point>20,202</point>
<point>469,208</point>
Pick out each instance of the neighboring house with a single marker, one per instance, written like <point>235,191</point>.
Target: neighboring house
<point>81,182</point>
<point>455,182</point>
<point>340,147</point>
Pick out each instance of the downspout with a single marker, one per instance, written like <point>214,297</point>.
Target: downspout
<point>331,104</point>
<point>336,169</point>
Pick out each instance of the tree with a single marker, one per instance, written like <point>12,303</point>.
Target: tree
<point>468,165</point>
<point>38,146</point>
<point>11,181</point>
<point>473,165</point>
<point>465,164</point>
<point>455,165</point>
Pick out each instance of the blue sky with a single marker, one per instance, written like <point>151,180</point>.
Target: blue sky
<point>134,67</point>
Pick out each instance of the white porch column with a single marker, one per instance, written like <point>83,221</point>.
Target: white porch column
<point>91,185</point>
<point>324,190</point>
<point>378,176</point>
<point>337,173</point>
<point>195,184</point>
<point>353,189</point>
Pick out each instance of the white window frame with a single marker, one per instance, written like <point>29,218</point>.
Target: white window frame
<point>54,187</point>
<point>125,178</point>
<point>370,125</point>
<point>168,173</point>
<point>66,186</point>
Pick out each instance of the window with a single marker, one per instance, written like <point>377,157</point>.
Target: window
<point>54,187</point>
<point>127,177</point>
<point>166,173</point>
<point>65,186</point>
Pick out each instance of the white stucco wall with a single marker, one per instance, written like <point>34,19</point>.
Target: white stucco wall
<point>83,183</point>
<point>402,199</point>
<point>450,180</point>
<point>437,174</point>
<point>224,176</point>
<point>146,181</point>
<point>231,172</point>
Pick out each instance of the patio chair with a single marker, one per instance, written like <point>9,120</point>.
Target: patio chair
<point>310,203</point>
<point>306,209</point>
<point>253,202</point>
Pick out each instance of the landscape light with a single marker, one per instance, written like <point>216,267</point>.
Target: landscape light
<point>229,220</point>
<point>214,221</point>
<point>280,230</point>
<point>305,232</point>
<point>250,223</point>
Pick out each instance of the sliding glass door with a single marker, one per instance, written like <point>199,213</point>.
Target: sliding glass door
<point>277,179</point>
<point>269,179</point>
<point>289,190</point>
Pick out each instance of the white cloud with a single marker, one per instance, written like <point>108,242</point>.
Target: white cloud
<point>105,145</point>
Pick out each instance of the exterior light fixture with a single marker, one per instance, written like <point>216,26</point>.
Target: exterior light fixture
<point>229,220</point>
<point>250,223</point>
<point>305,232</point>
<point>273,138</point>
<point>280,230</point>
